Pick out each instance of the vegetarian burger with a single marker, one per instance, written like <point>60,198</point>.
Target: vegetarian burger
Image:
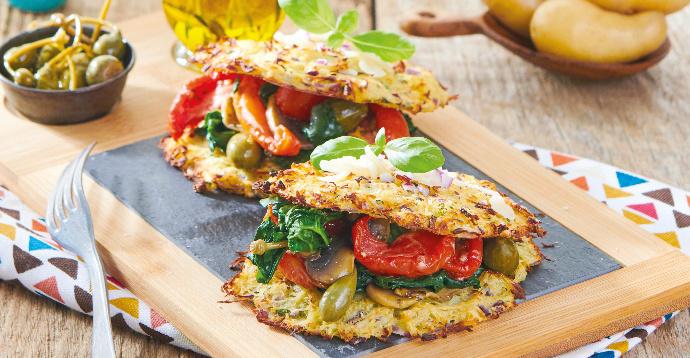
<point>369,240</point>
<point>260,106</point>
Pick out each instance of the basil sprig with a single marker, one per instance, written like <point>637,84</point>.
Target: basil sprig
<point>316,16</point>
<point>409,154</point>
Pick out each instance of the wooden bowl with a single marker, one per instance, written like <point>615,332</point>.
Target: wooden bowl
<point>62,107</point>
<point>427,23</point>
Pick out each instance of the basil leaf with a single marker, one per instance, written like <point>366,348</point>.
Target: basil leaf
<point>387,45</point>
<point>381,138</point>
<point>414,154</point>
<point>310,15</point>
<point>335,40</point>
<point>338,148</point>
<point>266,91</point>
<point>347,22</point>
<point>323,124</point>
<point>217,134</point>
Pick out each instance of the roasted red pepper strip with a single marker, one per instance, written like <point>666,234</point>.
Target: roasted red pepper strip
<point>392,120</point>
<point>467,258</point>
<point>198,97</point>
<point>251,112</point>
<point>413,254</point>
<point>292,267</point>
<point>297,104</point>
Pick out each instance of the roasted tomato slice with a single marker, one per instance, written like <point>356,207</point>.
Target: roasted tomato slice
<point>292,267</point>
<point>467,258</point>
<point>297,104</point>
<point>413,254</point>
<point>251,112</point>
<point>392,120</point>
<point>198,97</point>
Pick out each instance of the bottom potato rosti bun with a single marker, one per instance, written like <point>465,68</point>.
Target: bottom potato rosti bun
<point>212,170</point>
<point>285,304</point>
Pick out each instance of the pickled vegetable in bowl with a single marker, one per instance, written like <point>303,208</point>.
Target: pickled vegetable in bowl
<point>63,106</point>
<point>69,59</point>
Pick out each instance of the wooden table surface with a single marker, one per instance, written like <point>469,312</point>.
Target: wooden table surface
<point>639,124</point>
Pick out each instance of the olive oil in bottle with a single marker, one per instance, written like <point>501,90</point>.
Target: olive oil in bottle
<point>200,22</point>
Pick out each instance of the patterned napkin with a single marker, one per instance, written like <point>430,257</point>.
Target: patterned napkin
<point>29,256</point>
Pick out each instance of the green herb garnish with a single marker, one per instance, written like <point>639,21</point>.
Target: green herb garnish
<point>316,16</point>
<point>409,154</point>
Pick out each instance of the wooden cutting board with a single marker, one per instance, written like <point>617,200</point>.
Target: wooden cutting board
<point>654,280</point>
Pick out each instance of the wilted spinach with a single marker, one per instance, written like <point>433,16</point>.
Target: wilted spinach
<point>216,133</point>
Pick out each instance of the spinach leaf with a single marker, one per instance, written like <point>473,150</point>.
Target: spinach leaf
<point>302,227</point>
<point>395,231</point>
<point>285,161</point>
<point>268,262</point>
<point>266,91</point>
<point>323,124</point>
<point>410,125</point>
<point>305,228</point>
<point>434,282</point>
<point>273,200</point>
<point>216,133</point>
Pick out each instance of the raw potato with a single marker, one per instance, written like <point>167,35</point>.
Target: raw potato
<point>579,30</point>
<point>514,14</point>
<point>631,6</point>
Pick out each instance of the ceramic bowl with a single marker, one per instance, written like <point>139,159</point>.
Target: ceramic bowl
<point>62,107</point>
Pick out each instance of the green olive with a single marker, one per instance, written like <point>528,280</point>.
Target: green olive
<point>26,60</point>
<point>109,44</point>
<point>46,54</point>
<point>243,151</point>
<point>102,68</point>
<point>337,298</point>
<point>501,255</point>
<point>47,78</point>
<point>24,77</point>
<point>66,76</point>
<point>349,114</point>
<point>81,59</point>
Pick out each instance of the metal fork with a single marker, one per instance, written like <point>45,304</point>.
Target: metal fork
<point>68,205</point>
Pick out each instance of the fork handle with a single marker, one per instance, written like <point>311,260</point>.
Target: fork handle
<point>102,339</point>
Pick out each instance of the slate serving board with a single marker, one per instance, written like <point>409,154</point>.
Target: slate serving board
<point>211,226</point>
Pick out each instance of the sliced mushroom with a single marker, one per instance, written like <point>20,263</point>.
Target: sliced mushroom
<point>227,111</point>
<point>276,118</point>
<point>336,261</point>
<point>388,298</point>
<point>380,228</point>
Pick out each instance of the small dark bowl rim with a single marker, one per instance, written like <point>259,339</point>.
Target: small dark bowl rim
<point>7,81</point>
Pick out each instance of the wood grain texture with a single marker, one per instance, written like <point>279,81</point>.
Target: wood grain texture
<point>637,124</point>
